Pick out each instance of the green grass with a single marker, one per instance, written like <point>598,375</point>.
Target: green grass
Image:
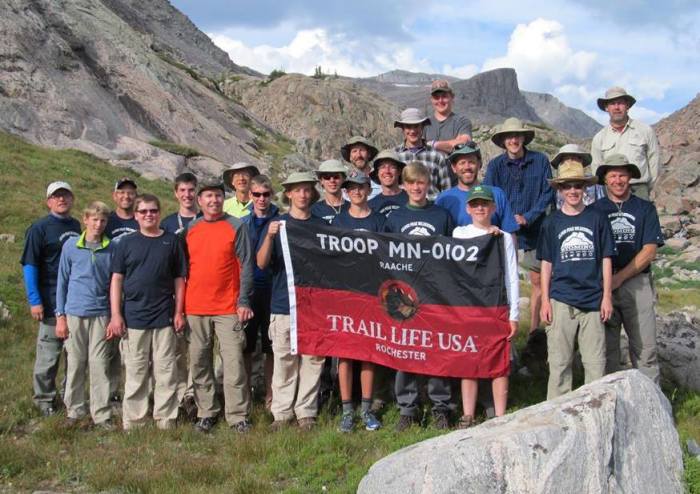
<point>171,147</point>
<point>41,454</point>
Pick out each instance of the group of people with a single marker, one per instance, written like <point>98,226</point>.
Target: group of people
<point>152,296</point>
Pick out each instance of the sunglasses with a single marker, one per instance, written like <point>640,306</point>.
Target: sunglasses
<point>571,185</point>
<point>261,194</point>
<point>148,211</point>
<point>335,176</point>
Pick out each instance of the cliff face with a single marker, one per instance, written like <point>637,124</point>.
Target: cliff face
<point>556,114</point>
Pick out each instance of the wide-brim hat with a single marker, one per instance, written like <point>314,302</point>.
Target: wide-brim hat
<point>571,150</point>
<point>464,150</point>
<point>332,166</point>
<point>299,178</point>
<point>617,161</point>
<point>412,116</point>
<point>615,93</point>
<point>228,174</point>
<point>572,171</point>
<point>345,150</point>
<point>512,126</point>
<point>386,155</point>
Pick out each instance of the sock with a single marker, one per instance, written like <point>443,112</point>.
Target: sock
<point>366,404</point>
<point>347,407</point>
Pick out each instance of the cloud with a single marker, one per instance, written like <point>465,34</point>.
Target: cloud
<point>647,115</point>
<point>463,72</point>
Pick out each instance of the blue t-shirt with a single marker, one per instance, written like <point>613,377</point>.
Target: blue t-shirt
<point>454,200</point>
<point>150,266</point>
<point>262,279</point>
<point>576,246</point>
<point>372,223</point>
<point>322,210</point>
<point>43,242</point>
<point>176,223</point>
<point>280,294</point>
<point>425,222</point>
<point>634,224</point>
<point>386,204</point>
<point>116,226</point>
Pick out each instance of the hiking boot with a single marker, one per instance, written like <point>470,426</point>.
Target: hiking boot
<point>405,421</point>
<point>307,423</point>
<point>242,427</point>
<point>279,425</point>
<point>465,422</point>
<point>371,422</point>
<point>440,421</point>
<point>347,422</point>
<point>205,424</point>
<point>48,411</point>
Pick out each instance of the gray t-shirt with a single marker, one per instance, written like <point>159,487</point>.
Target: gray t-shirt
<point>448,129</point>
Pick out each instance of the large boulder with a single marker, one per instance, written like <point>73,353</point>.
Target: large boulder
<point>678,346</point>
<point>613,435</point>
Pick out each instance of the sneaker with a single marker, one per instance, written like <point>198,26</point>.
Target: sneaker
<point>242,427</point>
<point>465,422</point>
<point>307,423</point>
<point>441,421</point>
<point>371,422</point>
<point>347,422</point>
<point>405,421</point>
<point>205,424</point>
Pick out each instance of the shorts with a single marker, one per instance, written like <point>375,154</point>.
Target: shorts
<point>528,260</point>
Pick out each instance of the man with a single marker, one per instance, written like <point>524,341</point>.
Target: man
<point>121,221</point>
<point>359,152</point>
<point>523,175</point>
<point>414,148</point>
<point>331,174</point>
<point>147,294</point>
<point>219,288</point>
<point>466,163</point>
<point>296,379</point>
<point>82,314</point>
<point>569,152</point>
<point>637,234</point>
<point>43,242</point>
<point>238,178</point>
<point>263,211</point>
<point>631,138</point>
<point>446,129</point>
<point>386,171</point>
<point>575,247</point>
<point>420,218</point>
<point>185,193</point>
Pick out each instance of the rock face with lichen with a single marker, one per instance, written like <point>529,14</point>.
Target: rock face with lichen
<point>613,435</point>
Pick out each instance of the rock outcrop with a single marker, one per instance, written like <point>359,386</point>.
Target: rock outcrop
<point>678,345</point>
<point>561,117</point>
<point>613,435</point>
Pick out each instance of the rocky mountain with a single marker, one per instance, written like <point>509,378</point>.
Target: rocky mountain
<point>556,114</point>
<point>111,77</point>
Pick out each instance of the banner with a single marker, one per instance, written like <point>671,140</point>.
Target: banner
<point>428,305</point>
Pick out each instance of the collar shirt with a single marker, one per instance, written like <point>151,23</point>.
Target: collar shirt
<point>434,161</point>
<point>236,208</point>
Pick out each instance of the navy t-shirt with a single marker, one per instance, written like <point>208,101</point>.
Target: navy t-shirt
<point>634,224</point>
<point>372,223</point>
<point>424,222</point>
<point>280,294</point>
<point>150,266</point>
<point>455,201</point>
<point>386,204</point>
<point>175,223</point>
<point>43,242</point>
<point>116,226</point>
<point>322,210</point>
<point>576,246</point>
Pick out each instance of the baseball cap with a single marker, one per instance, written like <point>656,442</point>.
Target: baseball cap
<point>124,181</point>
<point>56,186</point>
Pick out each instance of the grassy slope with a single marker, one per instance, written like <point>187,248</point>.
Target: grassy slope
<point>37,453</point>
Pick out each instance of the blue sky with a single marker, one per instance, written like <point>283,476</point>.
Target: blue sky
<point>574,49</point>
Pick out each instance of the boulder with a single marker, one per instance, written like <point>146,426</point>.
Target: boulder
<point>670,225</point>
<point>677,243</point>
<point>150,161</point>
<point>613,435</point>
<point>678,346</point>
<point>7,238</point>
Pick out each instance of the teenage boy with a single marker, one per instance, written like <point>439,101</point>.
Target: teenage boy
<point>296,378</point>
<point>40,260</point>
<point>481,207</point>
<point>147,300</point>
<point>575,152</point>
<point>219,288</point>
<point>386,172</point>
<point>447,129</point>
<point>263,211</point>
<point>121,220</point>
<point>575,247</point>
<point>331,174</point>
<point>420,218</point>
<point>238,178</point>
<point>186,195</point>
<point>82,314</point>
<point>637,233</point>
<point>358,217</point>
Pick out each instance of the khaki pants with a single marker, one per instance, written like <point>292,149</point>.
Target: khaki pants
<point>229,332</point>
<point>568,325</point>
<point>633,307</point>
<point>184,377</point>
<point>87,348</point>
<point>48,356</point>
<point>295,378</point>
<point>141,347</point>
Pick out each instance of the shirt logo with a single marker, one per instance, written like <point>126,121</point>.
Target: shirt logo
<point>622,227</point>
<point>577,246</point>
<point>418,229</point>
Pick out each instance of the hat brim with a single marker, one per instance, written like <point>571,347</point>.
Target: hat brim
<point>587,159</point>
<point>345,151</point>
<point>228,174</point>
<point>442,90</point>
<point>374,174</point>
<point>602,102</point>
<point>401,123</point>
<point>205,188</point>
<point>631,168</point>
<point>498,137</point>
<point>587,180</point>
